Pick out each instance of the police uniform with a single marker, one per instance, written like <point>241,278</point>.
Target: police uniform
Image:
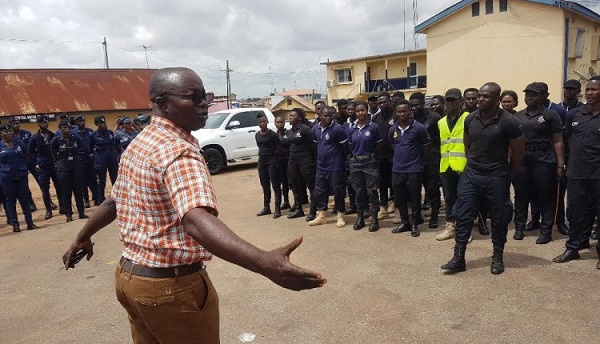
<point>67,151</point>
<point>283,157</point>
<point>384,122</point>
<point>364,169</point>
<point>123,137</point>
<point>268,170</point>
<point>102,144</point>
<point>301,168</point>
<point>87,164</point>
<point>24,136</point>
<point>39,149</point>
<point>13,177</point>
<point>351,193</point>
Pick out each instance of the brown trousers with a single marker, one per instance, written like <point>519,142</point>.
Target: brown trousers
<point>169,310</point>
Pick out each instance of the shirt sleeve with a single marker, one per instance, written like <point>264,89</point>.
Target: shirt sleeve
<point>341,135</point>
<point>514,128</point>
<point>189,184</point>
<point>554,121</point>
<point>569,121</point>
<point>424,138</point>
<point>377,133</point>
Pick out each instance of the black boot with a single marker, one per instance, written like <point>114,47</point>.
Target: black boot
<point>457,263</point>
<point>360,220</point>
<point>414,231</point>
<point>296,212</point>
<point>497,266</point>
<point>277,213</point>
<point>374,226</point>
<point>433,221</point>
<point>48,214</point>
<point>16,228</point>
<point>264,211</point>
<point>286,203</point>
<point>86,203</point>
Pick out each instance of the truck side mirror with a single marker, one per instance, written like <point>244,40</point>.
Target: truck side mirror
<point>233,125</point>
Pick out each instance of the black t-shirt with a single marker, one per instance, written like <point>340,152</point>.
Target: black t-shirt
<point>385,122</point>
<point>583,130</point>
<point>284,151</point>
<point>538,129</point>
<point>302,146</point>
<point>488,152</point>
<point>267,146</point>
<point>430,120</point>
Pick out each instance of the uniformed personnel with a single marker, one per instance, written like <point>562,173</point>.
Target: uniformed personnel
<point>102,145</point>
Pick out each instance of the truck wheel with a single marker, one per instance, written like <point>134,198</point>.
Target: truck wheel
<point>214,160</point>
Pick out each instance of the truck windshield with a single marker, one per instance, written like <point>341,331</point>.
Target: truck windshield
<point>215,120</point>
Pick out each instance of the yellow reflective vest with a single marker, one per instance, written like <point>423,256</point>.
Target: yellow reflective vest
<point>452,147</point>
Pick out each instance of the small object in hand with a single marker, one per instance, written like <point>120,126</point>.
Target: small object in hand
<point>77,258</point>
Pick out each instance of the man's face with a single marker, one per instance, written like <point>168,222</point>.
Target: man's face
<point>416,106</point>
<point>350,110</point>
<point>488,98</point>
<point>16,126</point>
<point>453,105</point>
<point>81,123</point>
<point>43,125</point>
<point>262,122</point>
<point>533,99</point>
<point>437,106</point>
<point>571,94</point>
<point>101,125</point>
<point>403,112</point>
<point>343,111</point>
<point>326,117</point>
<point>373,105</point>
<point>66,130</point>
<point>127,126</point>
<point>279,123</point>
<point>184,112</point>
<point>294,118</point>
<point>385,104</point>
<point>319,109</point>
<point>592,92</point>
<point>471,101</point>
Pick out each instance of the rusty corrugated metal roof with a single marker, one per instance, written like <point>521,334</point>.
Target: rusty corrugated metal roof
<point>33,91</point>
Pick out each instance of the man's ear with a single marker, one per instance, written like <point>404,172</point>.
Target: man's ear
<point>161,102</point>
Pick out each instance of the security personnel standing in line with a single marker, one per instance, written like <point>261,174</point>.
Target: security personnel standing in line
<point>39,150</point>
<point>453,156</point>
<point>87,164</point>
<point>583,172</point>
<point>13,177</point>
<point>102,145</point>
<point>384,119</point>
<point>489,133</point>
<point>24,136</point>
<point>125,135</point>
<point>66,150</point>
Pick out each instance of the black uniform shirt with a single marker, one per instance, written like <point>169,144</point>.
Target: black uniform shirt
<point>267,147</point>
<point>302,146</point>
<point>583,130</point>
<point>385,122</point>
<point>430,120</point>
<point>284,151</point>
<point>67,150</point>
<point>488,152</point>
<point>538,129</point>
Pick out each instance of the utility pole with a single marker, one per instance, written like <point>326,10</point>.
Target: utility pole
<point>415,21</point>
<point>227,70</point>
<point>146,47</point>
<point>105,46</point>
<point>404,49</point>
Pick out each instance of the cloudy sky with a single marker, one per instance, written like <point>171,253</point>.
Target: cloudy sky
<point>270,45</point>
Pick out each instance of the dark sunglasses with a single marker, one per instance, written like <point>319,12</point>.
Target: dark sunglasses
<point>196,97</point>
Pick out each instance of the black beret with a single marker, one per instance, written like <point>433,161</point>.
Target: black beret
<point>64,116</point>
<point>79,117</point>
<point>126,120</point>
<point>99,119</point>
<point>63,123</point>
<point>42,118</point>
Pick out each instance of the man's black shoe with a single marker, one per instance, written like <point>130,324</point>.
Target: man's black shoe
<point>48,214</point>
<point>69,218</point>
<point>414,231</point>
<point>264,211</point>
<point>310,217</point>
<point>86,203</point>
<point>351,210</point>
<point>457,263</point>
<point>285,205</point>
<point>53,206</point>
<point>563,228</point>
<point>16,228</point>
<point>83,216</point>
<point>296,213</point>
<point>532,225</point>
<point>568,255</point>
<point>425,206</point>
<point>543,239</point>
<point>31,227</point>
<point>403,227</point>
<point>519,235</point>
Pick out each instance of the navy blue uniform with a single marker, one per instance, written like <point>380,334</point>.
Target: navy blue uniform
<point>39,149</point>
<point>102,144</point>
<point>87,165</point>
<point>331,164</point>
<point>123,138</point>
<point>68,152</point>
<point>364,167</point>
<point>13,177</point>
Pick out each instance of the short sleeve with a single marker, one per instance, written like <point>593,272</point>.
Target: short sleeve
<point>424,136</point>
<point>467,124</point>
<point>377,133</point>
<point>341,135</point>
<point>189,184</point>
<point>554,121</point>
<point>391,134</point>
<point>569,121</point>
<point>513,128</point>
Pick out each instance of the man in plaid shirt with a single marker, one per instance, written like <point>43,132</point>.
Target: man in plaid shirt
<point>167,216</point>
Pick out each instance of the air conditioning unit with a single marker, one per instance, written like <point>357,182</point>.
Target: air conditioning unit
<point>331,83</point>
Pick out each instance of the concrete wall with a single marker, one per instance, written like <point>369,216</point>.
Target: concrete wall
<point>590,47</point>
<point>512,48</point>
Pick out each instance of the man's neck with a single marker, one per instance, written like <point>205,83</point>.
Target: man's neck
<point>489,114</point>
<point>453,115</point>
<point>404,124</point>
<point>593,108</point>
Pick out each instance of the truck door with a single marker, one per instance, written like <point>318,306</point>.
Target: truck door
<point>241,138</point>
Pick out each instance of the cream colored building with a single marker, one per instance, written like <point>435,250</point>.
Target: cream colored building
<point>402,71</point>
<point>511,42</point>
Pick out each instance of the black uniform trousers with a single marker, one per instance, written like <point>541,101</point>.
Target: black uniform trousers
<point>385,180</point>
<point>269,176</point>
<point>450,180</point>
<point>407,190</point>
<point>283,177</point>
<point>46,173</point>
<point>431,182</point>
<point>365,181</point>
<point>89,180</point>
<point>583,200</point>
<point>302,175</point>
<point>535,182</point>
<point>475,190</point>
<point>328,182</point>
<point>17,189</point>
<point>106,160</point>
<point>70,177</point>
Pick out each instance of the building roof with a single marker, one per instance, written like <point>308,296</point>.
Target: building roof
<point>33,91</point>
<point>567,5</point>
<point>372,57</point>
<point>306,104</point>
<point>298,92</point>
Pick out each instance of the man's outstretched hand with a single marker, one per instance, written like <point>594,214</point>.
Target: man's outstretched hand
<point>277,267</point>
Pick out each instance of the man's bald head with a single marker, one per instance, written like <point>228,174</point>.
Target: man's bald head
<point>493,88</point>
<point>166,80</point>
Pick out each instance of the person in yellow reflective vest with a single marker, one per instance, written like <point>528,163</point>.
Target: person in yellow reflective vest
<point>453,158</point>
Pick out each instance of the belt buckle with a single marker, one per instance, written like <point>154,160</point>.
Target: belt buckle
<point>70,158</point>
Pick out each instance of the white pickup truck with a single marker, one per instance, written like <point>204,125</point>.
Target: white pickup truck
<point>229,136</point>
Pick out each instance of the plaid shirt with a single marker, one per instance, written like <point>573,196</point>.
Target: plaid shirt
<point>162,175</point>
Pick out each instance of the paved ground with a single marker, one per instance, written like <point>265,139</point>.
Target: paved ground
<point>383,287</point>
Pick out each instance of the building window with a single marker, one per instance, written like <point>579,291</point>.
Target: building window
<point>412,75</point>
<point>343,75</point>
<point>579,43</point>
<point>475,9</point>
<point>289,102</point>
<point>489,6</point>
<point>503,5</point>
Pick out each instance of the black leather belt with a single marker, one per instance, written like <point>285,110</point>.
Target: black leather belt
<point>176,271</point>
<point>532,147</point>
<point>363,157</point>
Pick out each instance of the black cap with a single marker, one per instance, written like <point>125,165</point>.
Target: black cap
<point>126,120</point>
<point>142,119</point>
<point>453,94</point>
<point>535,87</point>
<point>79,118</point>
<point>99,119</point>
<point>572,84</point>
<point>64,116</point>
<point>372,98</point>
<point>41,118</point>
<point>63,123</point>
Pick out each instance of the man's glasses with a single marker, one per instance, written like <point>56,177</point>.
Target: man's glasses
<point>196,97</point>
